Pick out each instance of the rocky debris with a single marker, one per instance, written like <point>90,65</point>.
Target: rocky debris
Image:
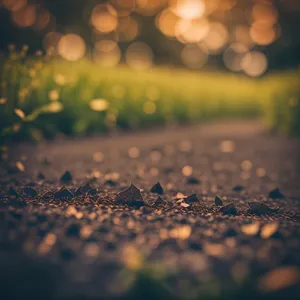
<point>276,194</point>
<point>131,196</point>
<point>157,189</point>
<point>93,192</point>
<point>158,201</point>
<point>229,209</point>
<point>41,176</point>
<point>63,193</point>
<point>260,208</point>
<point>192,199</point>
<point>218,201</point>
<point>110,182</point>
<point>84,189</point>
<point>192,180</point>
<point>238,188</point>
<point>30,192</point>
<point>14,193</point>
<point>66,177</point>
<point>47,195</point>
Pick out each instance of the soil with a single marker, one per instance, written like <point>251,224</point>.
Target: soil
<point>85,218</point>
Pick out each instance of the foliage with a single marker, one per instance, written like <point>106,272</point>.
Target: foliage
<point>41,97</point>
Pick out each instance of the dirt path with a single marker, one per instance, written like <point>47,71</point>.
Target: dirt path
<point>89,247</point>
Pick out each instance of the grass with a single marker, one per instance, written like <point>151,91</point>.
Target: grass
<point>41,97</point>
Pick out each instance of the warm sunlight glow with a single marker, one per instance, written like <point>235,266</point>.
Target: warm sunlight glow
<point>71,47</point>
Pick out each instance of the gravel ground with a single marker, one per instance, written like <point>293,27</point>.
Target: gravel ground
<point>73,227</point>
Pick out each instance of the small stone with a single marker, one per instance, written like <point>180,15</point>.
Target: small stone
<point>83,189</point>
<point>258,208</point>
<point>46,162</point>
<point>238,188</point>
<point>47,195</point>
<point>93,192</point>
<point>276,194</point>
<point>157,189</point>
<point>192,198</point>
<point>146,210</point>
<point>30,192</point>
<point>41,176</point>
<point>159,201</point>
<point>63,193</point>
<point>229,209</point>
<point>218,201</point>
<point>12,192</point>
<point>192,180</point>
<point>110,182</point>
<point>131,195</point>
<point>66,177</point>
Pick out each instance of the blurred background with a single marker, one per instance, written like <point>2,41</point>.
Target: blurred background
<point>251,36</point>
<point>197,60</point>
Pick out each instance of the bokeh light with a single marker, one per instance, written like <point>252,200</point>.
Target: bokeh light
<point>149,7</point>
<point>124,7</point>
<point>14,5</point>
<point>99,104</point>
<point>254,63</point>
<point>104,18</point>
<point>262,36</point>
<point>216,38</point>
<point>194,57</point>
<point>188,9</point>
<point>42,20</point>
<point>166,22</point>
<point>107,53</point>
<point>192,31</point>
<point>128,29</point>
<point>50,42</point>
<point>71,47</point>
<point>25,16</point>
<point>139,56</point>
<point>233,56</point>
